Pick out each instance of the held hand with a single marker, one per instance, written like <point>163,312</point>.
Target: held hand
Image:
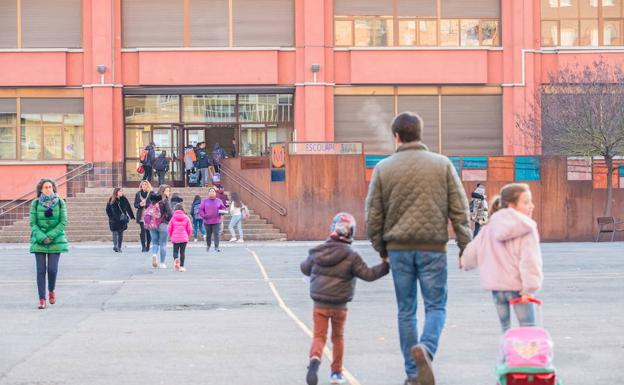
<point>386,260</point>
<point>460,263</point>
<point>525,298</point>
<point>47,241</point>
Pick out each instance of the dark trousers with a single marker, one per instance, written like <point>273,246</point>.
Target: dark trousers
<point>476,229</point>
<point>213,230</point>
<point>117,239</point>
<point>181,249</point>
<point>215,165</point>
<point>46,263</point>
<point>146,238</point>
<point>161,177</point>
<point>147,173</point>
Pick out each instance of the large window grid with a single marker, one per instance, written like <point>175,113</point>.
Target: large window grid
<point>569,23</point>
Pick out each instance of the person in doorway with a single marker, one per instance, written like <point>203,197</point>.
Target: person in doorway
<point>190,158</point>
<point>180,230</point>
<point>211,210</point>
<point>48,218</point>
<point>161,166</point>
<point>218,154</point>
<point>237,211</point>
<point>478,208</point>
<point>234,147</point>
<point>407,214</point>
<point>157,218</point>
<point>119,213</point>
<point>198,222</point>
<point>141,201</point>
<point>203,163</point>
<point>147,158</point>
<point>333,267</point>
<point>507,253</point>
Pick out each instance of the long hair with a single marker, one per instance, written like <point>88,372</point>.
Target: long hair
<point>113,198</point>
<point>196,199</point>
<point>145,182</point>
<point>179,207</point>
<point>161,190</point>
<point>510,193</point>
<point>236,200</point>
<point>42,182</point>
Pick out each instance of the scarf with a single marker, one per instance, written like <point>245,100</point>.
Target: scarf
<point>48,201</point>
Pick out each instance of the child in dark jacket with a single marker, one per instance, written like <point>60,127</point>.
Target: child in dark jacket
<point>333,267</point>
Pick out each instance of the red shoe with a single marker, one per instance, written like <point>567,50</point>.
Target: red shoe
<point>42,304</point>
<point>52,298</point>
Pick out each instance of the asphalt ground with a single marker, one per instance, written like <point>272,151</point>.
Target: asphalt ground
<point>243,316</point>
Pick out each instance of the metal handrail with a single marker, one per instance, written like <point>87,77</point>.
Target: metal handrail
<point>260,195</point>
<point>86,166</point>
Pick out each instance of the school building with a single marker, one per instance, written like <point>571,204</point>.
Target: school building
<point>94,81</point>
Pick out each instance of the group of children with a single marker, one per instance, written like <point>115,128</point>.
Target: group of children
<point>506,250</point>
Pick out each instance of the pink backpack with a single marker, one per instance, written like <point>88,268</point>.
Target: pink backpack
<point>152,217</point>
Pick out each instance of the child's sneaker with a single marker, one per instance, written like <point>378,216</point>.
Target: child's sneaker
<point>337,378</point>
<point>154,261</point>
<point>162,266</point>
<point>312,376</point>
<point>182,269</point>
<point>176,264</point>
<point>240,240</point>
<point>195,240</point>
<point>232,239</point>
<point>217,250</point>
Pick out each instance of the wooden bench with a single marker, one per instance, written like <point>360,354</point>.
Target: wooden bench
<point>609,225</point>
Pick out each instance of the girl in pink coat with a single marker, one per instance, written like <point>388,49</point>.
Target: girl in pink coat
<point>508,255</point>
<point>180,230</point>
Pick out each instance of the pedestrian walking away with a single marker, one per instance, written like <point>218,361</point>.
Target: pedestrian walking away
<point>333,267</point>
<point>48,218</point>
<point>203,163</point>
<point>508,255</point>
<point>218,154</point>
<point>147,158</point>
<point>179,230</point>
<point>478,208</point>
<point>141,201</point>
<point>210,210</point>
<point>156,218</point>
<point>407,220</point>
<point>198,222</point>
<point>119,213</point>
<point>237,211</point>
<point>161,166</point>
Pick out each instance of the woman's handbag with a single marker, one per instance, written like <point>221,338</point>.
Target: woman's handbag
<point>123,218</point>
<point>140,169</point>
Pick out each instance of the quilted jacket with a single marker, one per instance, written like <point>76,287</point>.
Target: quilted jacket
<point>411,197</point>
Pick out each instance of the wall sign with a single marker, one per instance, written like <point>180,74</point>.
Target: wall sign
<point>278,162</point>
<point>324,148</point>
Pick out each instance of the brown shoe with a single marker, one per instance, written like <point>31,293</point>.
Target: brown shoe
<point>423,363</point>
<point>411,381</point>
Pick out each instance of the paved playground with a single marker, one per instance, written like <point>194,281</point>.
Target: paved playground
<point>242,317</point>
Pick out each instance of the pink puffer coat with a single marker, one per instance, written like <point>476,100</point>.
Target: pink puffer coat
<point>180,227</point>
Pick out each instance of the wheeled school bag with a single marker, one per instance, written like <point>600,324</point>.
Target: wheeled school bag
<point>527,355</point>
<point>194,178</point>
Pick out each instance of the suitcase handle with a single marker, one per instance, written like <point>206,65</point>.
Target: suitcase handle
<point>516,301</point>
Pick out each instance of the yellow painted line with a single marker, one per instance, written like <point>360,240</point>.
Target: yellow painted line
<point>328,353</point>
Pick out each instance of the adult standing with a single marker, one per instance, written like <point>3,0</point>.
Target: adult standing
<point>407,212</point>
<point>478,208</point>
<point>210,211</point>
<point>160,234</point>
<point>119,213</point>
<point>148,156</point>
<point>218,154</point>
<point>161,166</point>
<point>48,218</point>
<point>203,163</point>
<point>141,201</point>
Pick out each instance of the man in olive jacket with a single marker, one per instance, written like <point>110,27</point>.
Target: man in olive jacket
<point>411,197</point>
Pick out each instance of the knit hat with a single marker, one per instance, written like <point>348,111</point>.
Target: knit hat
<point>343,227</point>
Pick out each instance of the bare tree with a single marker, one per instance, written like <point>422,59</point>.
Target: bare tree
<point>580,113</point>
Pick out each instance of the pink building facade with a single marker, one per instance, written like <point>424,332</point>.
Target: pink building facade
<point>95,81</point>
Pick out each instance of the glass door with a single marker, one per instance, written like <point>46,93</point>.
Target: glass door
<point>167,139</point>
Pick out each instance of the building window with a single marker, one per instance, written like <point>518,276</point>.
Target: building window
<point>265,119</point>
<point>590,23</point>
<point>52,136</point>
<point>152,109</point>
<point>209,108</point>
<point>369,24</point>
<point>8,131</point>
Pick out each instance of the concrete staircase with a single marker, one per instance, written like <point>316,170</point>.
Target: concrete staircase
<point>87,220</point>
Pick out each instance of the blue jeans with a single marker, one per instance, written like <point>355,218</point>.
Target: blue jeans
<point>198,225</point>
<point>429,268</point>
<point>51,267</point>
<point>236,221</point>
<point>524,311</point>
<point>159,241</point>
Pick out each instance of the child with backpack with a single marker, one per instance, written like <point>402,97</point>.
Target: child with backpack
<point>332,268</point>
<point>179,230</point>
<point>198,222</point>
<point>238,212</point>
<point>156,220</point>
<point>508,255</point>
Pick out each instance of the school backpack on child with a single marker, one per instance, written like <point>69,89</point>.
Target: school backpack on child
<point>245,212</point>
<point>194,178</point>
<point>527,356</point>
<point>152,217</point>
<point>195,211</point>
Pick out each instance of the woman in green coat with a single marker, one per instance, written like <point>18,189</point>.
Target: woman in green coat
<point>48,217</point>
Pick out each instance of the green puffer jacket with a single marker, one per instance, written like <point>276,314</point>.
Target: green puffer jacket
<point>411,197</point>
<point>52,227</point>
